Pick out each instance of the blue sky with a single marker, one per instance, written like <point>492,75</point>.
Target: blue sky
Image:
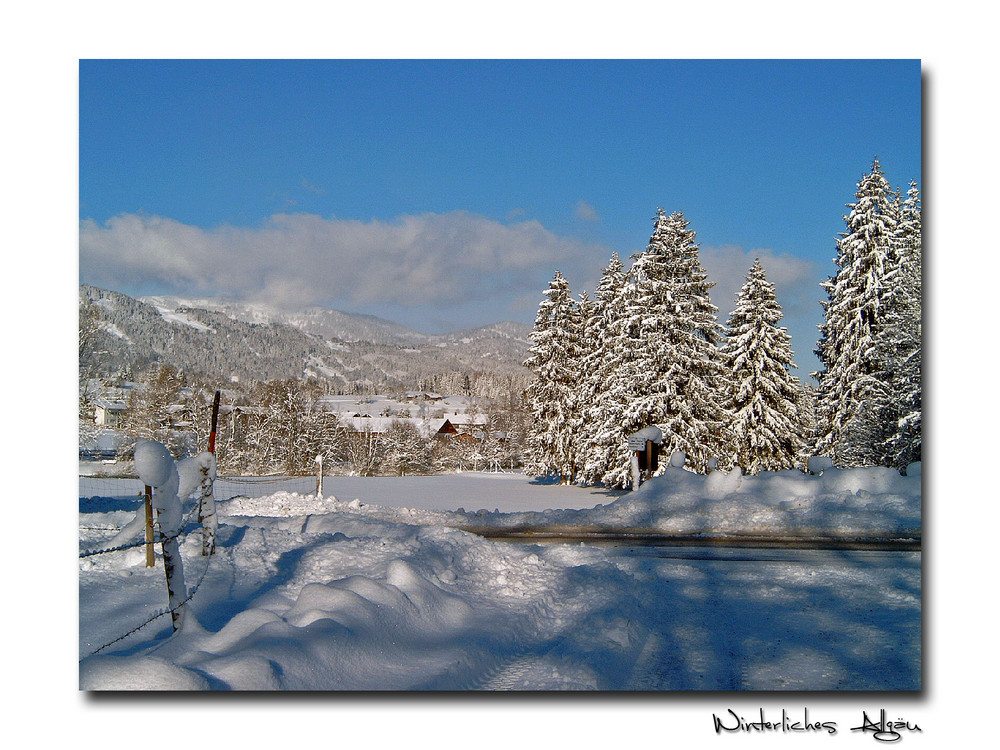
<point>445,194</point>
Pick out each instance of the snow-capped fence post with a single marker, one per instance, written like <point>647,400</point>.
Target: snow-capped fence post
<point>319,477</point>
<point>197,473</point>
<point>206,504</point>
<point>156,469</point>
<point>206,509</point>
<point>150,552</point>
<point>173,567</point>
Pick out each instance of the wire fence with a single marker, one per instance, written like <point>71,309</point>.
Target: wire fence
<point>100,493</point>
<point>160,613</point>
<point>103,494</point>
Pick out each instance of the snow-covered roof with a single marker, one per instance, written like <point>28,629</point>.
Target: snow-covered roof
<point>109,404</point>
<point>429,396</point>
<point>381,425</point>
<point>466,420</point>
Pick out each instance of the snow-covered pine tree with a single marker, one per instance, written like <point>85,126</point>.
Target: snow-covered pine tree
<point>902,337</point>
<point>767,427</point>
<point>807,416</point>
<point>854,390</point>
<point>552,396</point>
<point>600,434</point>
<point>666,368</point>
<point>680,383</point>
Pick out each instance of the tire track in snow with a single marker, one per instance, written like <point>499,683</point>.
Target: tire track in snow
<point>510,675</point>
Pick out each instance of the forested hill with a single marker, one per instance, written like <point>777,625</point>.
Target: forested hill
<point>253,342</point>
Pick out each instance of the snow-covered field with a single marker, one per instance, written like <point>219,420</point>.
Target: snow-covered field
<point>367,590</point>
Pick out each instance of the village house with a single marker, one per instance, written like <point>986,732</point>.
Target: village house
<point>426,428</point>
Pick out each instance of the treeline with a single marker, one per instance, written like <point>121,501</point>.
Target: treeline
<point>648,350</point>
<point>280,427</point>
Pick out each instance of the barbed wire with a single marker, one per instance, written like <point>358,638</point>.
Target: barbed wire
<point>188,517</point>
<point>97,490</point>
<point>265,480</point>
<point>160,613</point>
<point>106,550</point>
<point>262,479</point>
<point>159,540</point>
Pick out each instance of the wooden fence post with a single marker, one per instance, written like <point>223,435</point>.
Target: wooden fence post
<point>206,503</point>
<point>206,513</point>
<point>173,568</point>
<point>158,472</point>
<point>319,477</point>
<point>150,552</point>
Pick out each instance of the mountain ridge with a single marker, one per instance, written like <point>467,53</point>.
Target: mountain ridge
<point>230,339</point>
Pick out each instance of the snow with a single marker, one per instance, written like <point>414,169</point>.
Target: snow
<point>646,434</point>
<point>193,469</point>
<point>153,463</point>
<point>343,593</point>
<point>116,331</point>
<point>174,316</point>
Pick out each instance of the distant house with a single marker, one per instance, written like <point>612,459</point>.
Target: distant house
<point>414,397</point>
<point>427,428</point>
<point>468,424</point>
<point>109,401</point>
<point>108,412</point>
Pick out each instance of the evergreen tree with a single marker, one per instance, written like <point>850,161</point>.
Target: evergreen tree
<point>807,418</point>
<point>679,372</point>
<point>854,388</point>
<point>663,366</point>
<point>902,338</point>
<point>608,455</point>
<point>552,396</point>
<point>765,399</point>
<point>604,349</point>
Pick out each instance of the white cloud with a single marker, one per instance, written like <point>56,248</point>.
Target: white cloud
<point>297,259</point>
<point>585,212</point>
<point>795,279</point>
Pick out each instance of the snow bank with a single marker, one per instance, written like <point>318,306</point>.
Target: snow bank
<point>844,503</point>
<point>869,503</point>
<point>137,673</point>
<point>394,607</point>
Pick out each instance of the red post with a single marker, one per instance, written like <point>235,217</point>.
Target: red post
<point>215,422</point>
<point>206,505</point>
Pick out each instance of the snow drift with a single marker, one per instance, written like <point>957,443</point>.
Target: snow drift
<point>318,593</point>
